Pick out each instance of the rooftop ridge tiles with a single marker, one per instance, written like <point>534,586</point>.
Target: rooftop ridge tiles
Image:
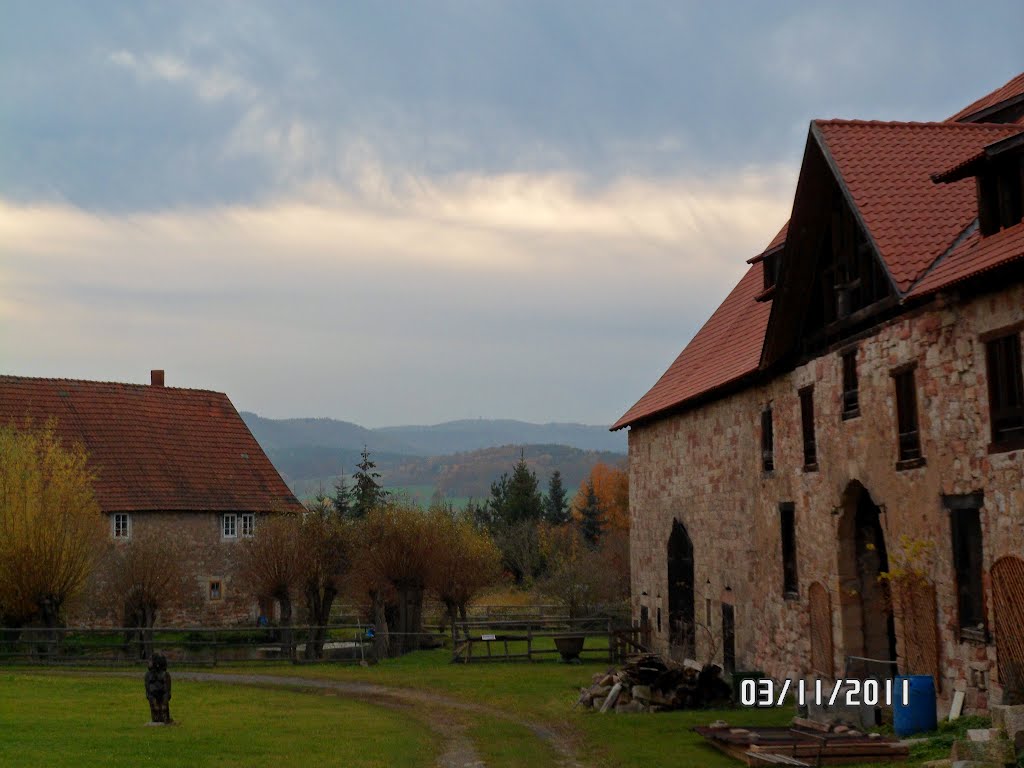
<point>915,124</point>
<point>123,384</point>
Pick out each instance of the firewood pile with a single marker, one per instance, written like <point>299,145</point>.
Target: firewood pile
<point>650,683</point>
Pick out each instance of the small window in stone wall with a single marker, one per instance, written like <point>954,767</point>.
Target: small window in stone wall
<point>248,524</point>
<point>229,527</point>
<point>908,434</point>
<point>851,392</point>
<point>968,564</point>
<point>1005,392</point>
<point>807,424</point>
<point>767,442</point>
<point>215,591</point>
<point>787,520</point>
<point>122,525</point>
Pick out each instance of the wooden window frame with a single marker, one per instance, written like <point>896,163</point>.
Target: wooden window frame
<point>787,534</point>
<point>908,426</point>
<point>215,589</point>
<point>1003,368</point>
<point>968,556</point>
<point>229,525</point>
<point>767,440</point>
<point>119,531</point>
<point>807,428</point>
<point>248,527</point>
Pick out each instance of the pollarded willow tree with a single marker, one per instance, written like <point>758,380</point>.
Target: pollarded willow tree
<point>51,527</point>
<point>272,562</point>
<point>325,548</point>
<point>465,560</point>
<point>142,577</point>
<point>396,546</point>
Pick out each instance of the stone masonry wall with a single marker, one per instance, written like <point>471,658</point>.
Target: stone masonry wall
<point>703,467</point>
<point>207,556</point>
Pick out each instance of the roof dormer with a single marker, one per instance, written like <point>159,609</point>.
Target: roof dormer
<point>998,171</point>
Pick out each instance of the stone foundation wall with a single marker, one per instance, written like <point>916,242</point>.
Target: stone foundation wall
<point>206,557</point>
<point>703,468</point>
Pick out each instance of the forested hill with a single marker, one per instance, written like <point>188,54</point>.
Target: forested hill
<point>459,458</point>
<point>434,440</point>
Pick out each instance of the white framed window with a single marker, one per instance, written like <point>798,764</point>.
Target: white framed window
<point>229,526</point>
<point>248,524</point>
<point>215,590</point>
<point>122,525</point>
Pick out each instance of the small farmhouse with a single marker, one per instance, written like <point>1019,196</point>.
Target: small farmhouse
<point>179,461</point>
<point>854,408</point>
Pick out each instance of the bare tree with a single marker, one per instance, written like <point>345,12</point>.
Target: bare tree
<point>51,527</point>
<point>273,563</point>
<point>466,561</point>
<point>577,576</point>
<point>396,549</point>
<point>141,577</point>
<point>325,540</point>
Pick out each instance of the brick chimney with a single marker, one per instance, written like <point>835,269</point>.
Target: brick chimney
<point>156,377</point>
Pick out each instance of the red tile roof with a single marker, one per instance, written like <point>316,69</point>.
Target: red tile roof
<point>973,256</point>
<point>1012,90</point>
<point>727,348</point>
<point>887,168</point>
<point>154,448</point>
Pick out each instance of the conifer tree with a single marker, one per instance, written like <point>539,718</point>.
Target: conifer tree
<point>591,516</point>
<point>556,508</point>
<point>367,492</point>
<point>524,500</point>
<point>342,498</point>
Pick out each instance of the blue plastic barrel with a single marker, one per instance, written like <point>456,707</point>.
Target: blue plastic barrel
<point>916,714</point>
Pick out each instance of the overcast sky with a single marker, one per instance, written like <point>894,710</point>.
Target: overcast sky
<point>413,212</point>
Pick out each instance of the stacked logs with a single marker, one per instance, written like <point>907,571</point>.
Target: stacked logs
<point>649,683</point>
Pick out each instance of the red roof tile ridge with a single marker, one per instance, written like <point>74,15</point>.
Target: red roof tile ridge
<point>915,124</point>
<point>1011,89</point>
<point>124,384</point>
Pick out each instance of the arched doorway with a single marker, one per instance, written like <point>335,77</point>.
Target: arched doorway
<point>682,630</point>
<point>868,626</point>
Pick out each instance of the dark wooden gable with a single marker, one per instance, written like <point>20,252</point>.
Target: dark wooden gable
<point>832,281</point>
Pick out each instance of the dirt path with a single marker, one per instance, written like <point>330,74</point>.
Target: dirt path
<point>434,709</point>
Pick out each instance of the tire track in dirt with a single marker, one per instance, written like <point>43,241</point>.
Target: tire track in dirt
<point>433,709</point>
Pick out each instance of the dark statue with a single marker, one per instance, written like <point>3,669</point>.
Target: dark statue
<point>158,689</point>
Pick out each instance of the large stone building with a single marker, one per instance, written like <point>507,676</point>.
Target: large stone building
<point>854,407</point>
<point>177,461</point>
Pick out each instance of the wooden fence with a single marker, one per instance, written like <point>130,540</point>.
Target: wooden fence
<point>543,640</point>
<point>191,645</point>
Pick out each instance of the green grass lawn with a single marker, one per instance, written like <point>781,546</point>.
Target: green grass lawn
<point>59,720</point>
<point>47,718</point>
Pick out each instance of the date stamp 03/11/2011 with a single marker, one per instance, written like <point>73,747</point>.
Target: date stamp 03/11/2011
<point>765,692</point>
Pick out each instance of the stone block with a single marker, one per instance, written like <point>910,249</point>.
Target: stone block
<point>642,692</point>
<point>1008,718</point>
<point>999,752</point>
<point>984,734</point>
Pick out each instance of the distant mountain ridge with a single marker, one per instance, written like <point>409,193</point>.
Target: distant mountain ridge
<point>457,458</point>
<point>430,440</point>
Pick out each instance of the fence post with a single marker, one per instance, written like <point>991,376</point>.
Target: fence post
<point>611,643</point>
<point>529,641</point>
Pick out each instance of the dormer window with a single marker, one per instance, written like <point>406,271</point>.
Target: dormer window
<point>1000,195</point>
<point>998,171</point>
<point>771,269</point>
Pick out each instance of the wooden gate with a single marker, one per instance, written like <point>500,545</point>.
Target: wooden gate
<point>1008,605</point>
<point>822,655</point>
<point>916,605</point>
